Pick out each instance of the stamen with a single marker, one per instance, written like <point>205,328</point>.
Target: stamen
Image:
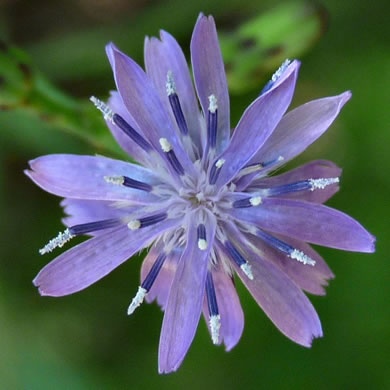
<point>116,180</point>
<point>108,114</point>
<point>202,242</point>
<point>219,163</point>
<point>57,242</point>
<point>301,257</point>
<point>247,269</point>
<point>213,107</point>
<point>152,219</point>
<point>134,224</point>
<point>90,227</point>
<point>255,201</point>
<point>167,148</point>
<point>165,145</point>
<point>276,76</point>
<point>281,70</point>
<point>213,308</point>
<point>175,104</point>
<point>252,168</point>
<point>215,325</point>
<point>238,259</point>
<point>137,300</point>
<point>322,183</point>
<point>128,130</point>
<point>212,122</point>
<point>76,230</point>
<point>170,84</point>
<point>128,182</point>
<point>215,170</point>
<point>154,271</point>
<point>247,202</point>
<point>304,185</point>
<point>283,247</point>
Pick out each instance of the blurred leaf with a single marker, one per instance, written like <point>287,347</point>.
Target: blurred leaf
<point>258,46</point>
<point>28,97</point>
<point>252,51</point>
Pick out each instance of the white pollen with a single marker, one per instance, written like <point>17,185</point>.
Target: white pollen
<point>108,114</point>
<point>137,300</point>
<point>170,84</point>
<point>280,158</point>
<point>134,224</point>
<point>117,180</point>
<point>281,70</point>
<point>219,163</point>
<point>250,169</point>
<point>247,269</point>
<point>57,242</point>
<point>301,257</point>
<point>255,201</point>
<point>202,244</point>
<point>215,325</point>
<point>165,145</point>
<point>320,184</point>
<point>213,106</point>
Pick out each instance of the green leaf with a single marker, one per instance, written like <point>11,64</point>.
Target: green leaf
<point>27,97</point>
<point>259,45</point>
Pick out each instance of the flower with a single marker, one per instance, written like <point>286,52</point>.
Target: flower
<point>203,198</point>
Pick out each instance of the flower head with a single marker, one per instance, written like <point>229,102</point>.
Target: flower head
<point>202,198</point>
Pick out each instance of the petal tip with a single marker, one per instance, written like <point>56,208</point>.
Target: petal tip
<point>346,96</point>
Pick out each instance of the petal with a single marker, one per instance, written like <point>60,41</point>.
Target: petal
<point>164,56</point>
<point>281,299</point>
<point>209,75</point>
<point>128,145</point>
<point>84,211</point>
<point>185,300</point>
<point>257,124</point>
<point>143,103</point>
<point>82,177</point>
<point>309,278</point>
<point>162,284</point>
<point>300,128</point>
<point>86,263</point>
<point>313,170</point>
<point>232,316</point>
<point>309,222</point>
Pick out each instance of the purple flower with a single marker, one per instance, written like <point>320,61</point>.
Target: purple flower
<point>203,199</point>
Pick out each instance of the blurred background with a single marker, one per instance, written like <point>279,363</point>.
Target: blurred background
<point>52,59</point>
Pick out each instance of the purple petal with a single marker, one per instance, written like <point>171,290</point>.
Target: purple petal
<point>232,316</point>
<point>313,170</point>
<point>209,75</point>
<point>281,299</point>
<point>84,211</point>
<point>185,300</point>
<point>164,56</point>
<point>86,263</point>
<point>300,128</point>
<point>162,284</point>
<point>309,222</point>
<point>128,145</point>
<point>82,177</point>
<point>144,104</point>
<point>257,124</point>
<point>309,278</point>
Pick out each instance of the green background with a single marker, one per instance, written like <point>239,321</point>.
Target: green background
<point>86,341</point>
